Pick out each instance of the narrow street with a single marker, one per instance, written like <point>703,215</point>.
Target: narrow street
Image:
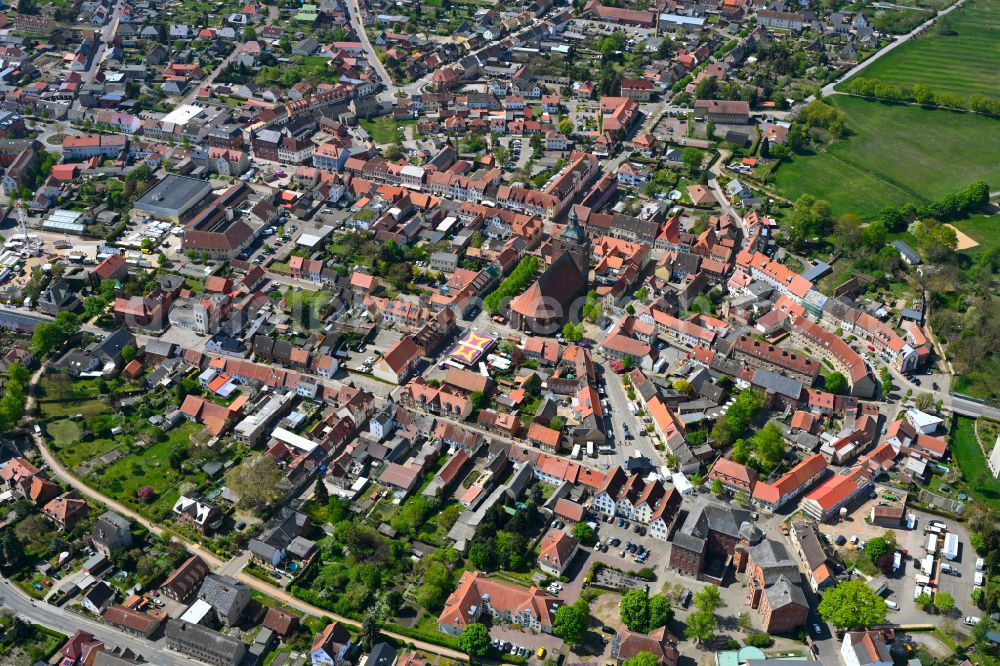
<point>354,10</point>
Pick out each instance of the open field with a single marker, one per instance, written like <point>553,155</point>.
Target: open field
<point>895,154</point>
<point>965,447</point>
<point>965,63</point>
<point>848,189</point>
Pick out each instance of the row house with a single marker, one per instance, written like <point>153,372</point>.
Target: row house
<point>733,476</point>
<point>799,479</point>
<point>418,394</point>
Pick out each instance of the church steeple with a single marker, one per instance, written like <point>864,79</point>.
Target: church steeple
<point>574,240</point>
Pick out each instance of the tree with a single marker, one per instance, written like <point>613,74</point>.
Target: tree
<point>573,332</point>
<point>924,601</point>
<point>743,622</point>
<point>701,626</point>
<point>723,434</point>
<point>566,126</point>
<point>146,494</point>
<point>924,402</point>
<point>943,602</point>
<point>320,494</point>
<point>876,548</point>
<point>557,423</point>
<point>634,610</point>
<point>768,447</point>
<point>255,481</point>
<point>708,599</point>
<point>479,400</point>
<point>744,410</point>
<point>717,488</point>
<point>660,611</point>
<point>886,377</point>
<point>836,383</point>
<point>583,532</point>
<point>571,622</point>
<point>128,353</point>
<point>370,632</point>
<point>436,587</point>
<point>475,640</point>
<point>642,659</point>
<point>692,158</point>
<point>852,604</point>
<point>11,551</point>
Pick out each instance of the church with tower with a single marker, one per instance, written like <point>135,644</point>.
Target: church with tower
<point>546,305</point>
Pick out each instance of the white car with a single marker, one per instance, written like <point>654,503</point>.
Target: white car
<point>972,620</point>
<point>977,579</point>
<point>980,564</point>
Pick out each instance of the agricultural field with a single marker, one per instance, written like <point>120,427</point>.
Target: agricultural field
<point>894,154</point>
<point>960,57</point>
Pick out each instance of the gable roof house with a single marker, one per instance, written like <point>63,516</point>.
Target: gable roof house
<point>66,510</point>
<point>556,552</point>
<point>476,594</point>
<point>186,579</point>
<point>332,646</point>
<point>111,531</point>
<point>227,596</point>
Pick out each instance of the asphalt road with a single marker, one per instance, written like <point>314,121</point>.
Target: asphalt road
<point>60,619</point>
<point>354,10</point>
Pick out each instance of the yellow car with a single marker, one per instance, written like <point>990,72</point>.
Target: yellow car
<point>541,653</point>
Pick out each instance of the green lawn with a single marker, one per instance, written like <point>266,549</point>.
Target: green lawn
<point>965,63</point>
<point>383,129</point>
<point>65,440</point>
<point>966,450</point>
<point>150,467</point>
<point>895,154</point>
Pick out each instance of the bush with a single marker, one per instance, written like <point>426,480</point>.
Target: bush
<point>646,573</point>
<point>761,640</point>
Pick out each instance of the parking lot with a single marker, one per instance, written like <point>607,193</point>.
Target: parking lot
<point>903,583</point>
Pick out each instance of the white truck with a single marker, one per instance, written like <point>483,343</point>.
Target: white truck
<point>950,550</point>
<point>590,450</point>
<point>897,561</point>
<point>932,544</point>
<point>576,452</point>
<point>632,408</point>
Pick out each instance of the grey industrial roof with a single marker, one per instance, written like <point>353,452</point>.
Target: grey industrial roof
<point>776,383</point>
<point>213,640</point>
<point>173,196</point>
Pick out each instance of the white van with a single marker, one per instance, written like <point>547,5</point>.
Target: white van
<point>892,605</point>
